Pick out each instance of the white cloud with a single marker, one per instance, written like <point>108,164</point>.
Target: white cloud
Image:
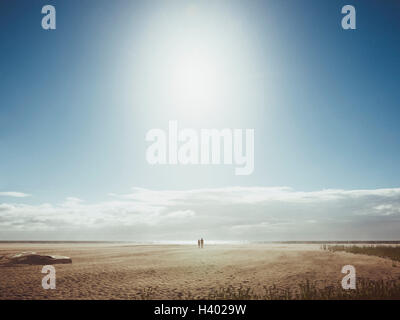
<point>388,209</point>
<point>72,201</point>
<point>251,195</point>
<point>14,194</point>
<point>232,213</point>
<point>181,214</point>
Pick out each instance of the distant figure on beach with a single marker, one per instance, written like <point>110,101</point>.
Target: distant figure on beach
<point>202,243</point>
<point>198,243</point>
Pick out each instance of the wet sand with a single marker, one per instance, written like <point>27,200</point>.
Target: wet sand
<point>123,271</point>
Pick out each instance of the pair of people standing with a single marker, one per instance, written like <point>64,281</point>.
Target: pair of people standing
<point>200,243</point>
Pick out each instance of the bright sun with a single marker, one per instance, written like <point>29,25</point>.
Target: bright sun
<point>195,79</point>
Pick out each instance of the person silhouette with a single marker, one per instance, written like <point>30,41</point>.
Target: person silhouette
<point>202,243</point>
<point>198,243</point>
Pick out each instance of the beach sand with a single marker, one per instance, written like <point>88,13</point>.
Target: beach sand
<point>123,271</point>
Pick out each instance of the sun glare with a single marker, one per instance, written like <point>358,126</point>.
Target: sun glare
<point>195,79</point>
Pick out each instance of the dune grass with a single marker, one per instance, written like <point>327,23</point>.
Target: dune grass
<point>384,251</point>
<point>388,289</point>
<point>366,290</point>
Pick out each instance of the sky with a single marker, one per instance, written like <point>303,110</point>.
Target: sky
<point>76,103</point>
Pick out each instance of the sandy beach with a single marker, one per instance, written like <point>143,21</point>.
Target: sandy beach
<point>123,271</point>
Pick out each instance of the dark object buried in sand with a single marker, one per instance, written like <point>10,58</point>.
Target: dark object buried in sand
<point>34,258</point>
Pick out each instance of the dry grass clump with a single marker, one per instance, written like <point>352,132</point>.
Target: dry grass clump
<point>384,251</point>
<point>388,289</point>
<point>366,289</point>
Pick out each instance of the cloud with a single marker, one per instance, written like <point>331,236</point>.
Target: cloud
<point>72,201</point>
<point>181,214</point>
<point>231,213</point>
<point>14,194</point>
<point>251,195</point>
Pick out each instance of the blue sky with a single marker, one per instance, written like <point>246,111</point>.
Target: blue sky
<point>76,102</point>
